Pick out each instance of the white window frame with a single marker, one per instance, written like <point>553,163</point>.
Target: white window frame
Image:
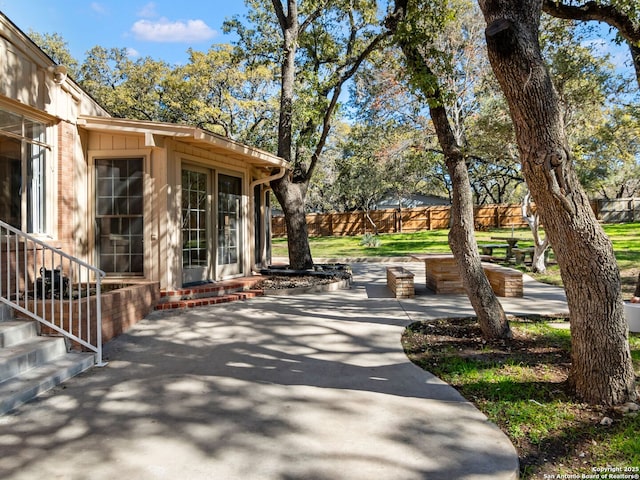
<point>38,219</point>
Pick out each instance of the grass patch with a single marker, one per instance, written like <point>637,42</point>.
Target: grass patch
<point>521,385</point>
<point>625,238</point>
<point>391,244</point>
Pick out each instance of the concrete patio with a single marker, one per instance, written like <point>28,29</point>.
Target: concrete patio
<point>314,386</point>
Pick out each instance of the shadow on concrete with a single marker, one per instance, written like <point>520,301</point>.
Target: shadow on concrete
<point>305,387</point>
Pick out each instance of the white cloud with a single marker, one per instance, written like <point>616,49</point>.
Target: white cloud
<point>98,8</point>
<point>148,11</point>
<point>176,32</point>
<point>132,53</point>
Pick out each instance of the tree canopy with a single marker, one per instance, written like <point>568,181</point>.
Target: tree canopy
<point>234,91</point>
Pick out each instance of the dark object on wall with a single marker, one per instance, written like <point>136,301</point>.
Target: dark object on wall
<point>52,284</point>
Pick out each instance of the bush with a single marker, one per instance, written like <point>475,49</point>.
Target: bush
<point>370,240</point>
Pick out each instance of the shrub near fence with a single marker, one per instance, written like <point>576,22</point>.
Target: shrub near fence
<point>394,221</point>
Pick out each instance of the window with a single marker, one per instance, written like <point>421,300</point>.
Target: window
<point>119,215</point>
<point>23,172</point>
<point>229,219</point>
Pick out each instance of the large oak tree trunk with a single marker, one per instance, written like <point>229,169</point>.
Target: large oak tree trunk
<point>491,316</point>
<point>291,192</point>
<point>462,240</point>
<point>291,197</point>
<point>601,370</point>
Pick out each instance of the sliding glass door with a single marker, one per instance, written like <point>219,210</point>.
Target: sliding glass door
<point>196,226</point>
<point>230,219</point>
<point>211,225</point>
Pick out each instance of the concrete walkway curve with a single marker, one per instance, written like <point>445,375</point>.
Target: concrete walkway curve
<point>277,388</point>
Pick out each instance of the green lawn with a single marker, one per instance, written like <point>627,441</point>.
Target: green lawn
<point>391,244</point>
<point>625,238</point>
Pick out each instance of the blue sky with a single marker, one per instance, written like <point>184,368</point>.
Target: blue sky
<point>162,29</point>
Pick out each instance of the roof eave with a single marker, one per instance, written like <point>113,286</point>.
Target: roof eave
<point>185,133</point>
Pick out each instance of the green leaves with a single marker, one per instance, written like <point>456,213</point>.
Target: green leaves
<point>331,38</point>
<point>58,49</point>
<point>220,91</point>
<point>126,88</point>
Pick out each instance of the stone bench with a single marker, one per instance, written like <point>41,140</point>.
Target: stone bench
<point>443,276</point>
<point>505,281</point>
<point>520,254</point>
<point>487,248</point>
<point>400,281</point>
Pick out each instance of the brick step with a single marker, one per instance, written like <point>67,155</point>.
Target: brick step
<point>218,289</point>
<point>211,300</point>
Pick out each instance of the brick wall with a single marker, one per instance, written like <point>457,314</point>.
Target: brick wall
<point>67,202</point>
<point>505,282</point>
<point>121,309</point>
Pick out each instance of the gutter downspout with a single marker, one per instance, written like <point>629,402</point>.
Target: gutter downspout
<point>252,185</point>
<point>276,176</point>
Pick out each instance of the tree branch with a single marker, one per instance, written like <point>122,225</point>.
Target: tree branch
<point>337,89</point>
<point>282,17</point>
<point>592,10</point>
<point>312,17</point>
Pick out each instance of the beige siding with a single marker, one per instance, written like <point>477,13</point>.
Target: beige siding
<point>20,79</point>
<point>28,78</point>
<point>107,142</point>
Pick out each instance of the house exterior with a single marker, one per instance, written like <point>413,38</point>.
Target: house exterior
<point>167,203</point>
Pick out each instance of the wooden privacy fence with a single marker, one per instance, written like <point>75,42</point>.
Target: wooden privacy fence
<point>406,220</point>
<point>618,210</point>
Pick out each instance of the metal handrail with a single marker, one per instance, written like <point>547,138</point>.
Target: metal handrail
<point>66,297</point>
